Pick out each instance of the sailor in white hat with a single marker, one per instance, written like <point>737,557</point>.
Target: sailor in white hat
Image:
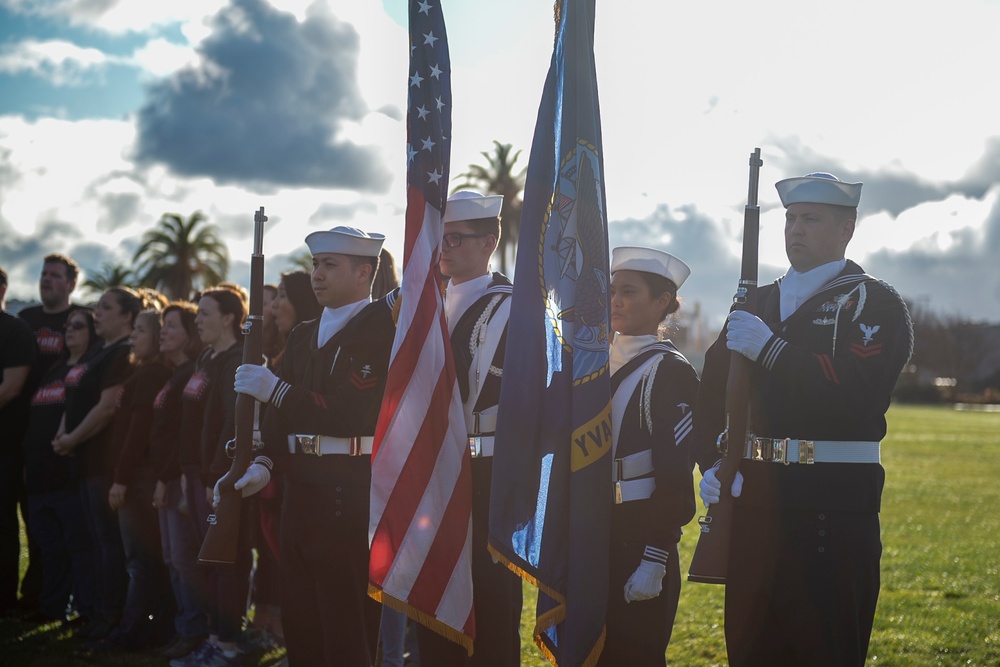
<point>827,344</point>
<point>322,409</point>
<point>655,389</point>
<point>471,234</point>
<point>477,306</point>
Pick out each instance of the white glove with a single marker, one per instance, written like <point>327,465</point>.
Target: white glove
<point>747,334</point>
<point>646,582</point>
<point>256,478</point>
<point>710,488</point>
<point>255,380</point>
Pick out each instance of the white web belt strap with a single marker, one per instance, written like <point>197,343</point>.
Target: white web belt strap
<point>789,450</point>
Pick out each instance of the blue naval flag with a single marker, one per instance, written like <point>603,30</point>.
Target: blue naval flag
<point>550,505</point>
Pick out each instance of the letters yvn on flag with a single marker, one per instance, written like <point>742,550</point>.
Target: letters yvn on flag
<point>420,523</point>
<point>551,497</point>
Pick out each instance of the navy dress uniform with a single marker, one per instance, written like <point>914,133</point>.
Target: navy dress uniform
<point>322,412</point>
<point>803,576</point>
<point>652,408</point>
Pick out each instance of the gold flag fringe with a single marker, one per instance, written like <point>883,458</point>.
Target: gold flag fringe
<point>551,618</point>
<point>423,618</point>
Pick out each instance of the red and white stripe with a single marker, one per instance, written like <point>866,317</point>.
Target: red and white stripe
<point>421,496</point>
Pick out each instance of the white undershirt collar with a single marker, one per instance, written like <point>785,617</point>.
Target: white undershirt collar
<point>334,319</point>
<point>458,298</point>
<point>625,348</point>
<point>796,288</point>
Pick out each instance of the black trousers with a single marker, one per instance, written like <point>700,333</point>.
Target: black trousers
<point>802,587</point>
<point>326,613</point>
<point>12,496</point>
<point>638,632</point>
<point>496,597</point>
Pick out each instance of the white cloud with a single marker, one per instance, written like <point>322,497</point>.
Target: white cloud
<point>118,16</point>
<point>933,227</point>
<point>160,57</point>
<point>58,61</point>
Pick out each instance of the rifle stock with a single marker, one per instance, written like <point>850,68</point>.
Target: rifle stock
<point>220,545</point>
<point>710,562</point>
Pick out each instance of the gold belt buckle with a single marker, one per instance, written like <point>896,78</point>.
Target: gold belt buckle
<point>618,493</point>
<point>772,450</point>
<point>309,444</point>
<point>475,446</point>
<point>807,452</point>
<point>355,446</point>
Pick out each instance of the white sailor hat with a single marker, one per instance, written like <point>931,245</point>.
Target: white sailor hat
<point>650,260</point>
<point>818,188</point>
<point>468,205</point>
<point>345,241</point>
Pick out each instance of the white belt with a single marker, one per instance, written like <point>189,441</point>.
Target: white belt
<point>480,446</point>
<point>633,465</point>
<point>629,467</point>
<point>321,445</point>
<point>482,422</point>
<point>788,450</point>
<point>634,489</point>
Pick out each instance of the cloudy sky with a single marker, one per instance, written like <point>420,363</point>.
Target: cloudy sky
<point>114,112</point>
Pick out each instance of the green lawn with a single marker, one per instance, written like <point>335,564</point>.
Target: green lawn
<point>940,600</point>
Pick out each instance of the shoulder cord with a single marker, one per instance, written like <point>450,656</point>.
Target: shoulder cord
<point>478,336</point>
<point>841,302</point>
<point>645,412</point>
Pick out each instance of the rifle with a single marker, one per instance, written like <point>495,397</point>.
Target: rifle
<point>711,557</point>
<point>220,545</point>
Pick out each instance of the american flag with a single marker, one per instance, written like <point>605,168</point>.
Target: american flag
<point>421,493</point>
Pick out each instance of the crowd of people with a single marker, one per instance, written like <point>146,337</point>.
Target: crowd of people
<point>115,421</point>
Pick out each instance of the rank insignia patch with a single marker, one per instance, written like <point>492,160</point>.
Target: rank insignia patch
<point>867,347</point>
<point>869,332</point>
<point>364,378</point>
<point>865,351</point>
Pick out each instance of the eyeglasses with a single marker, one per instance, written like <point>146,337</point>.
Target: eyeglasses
<point>75,326</point>
<point>454,239</point>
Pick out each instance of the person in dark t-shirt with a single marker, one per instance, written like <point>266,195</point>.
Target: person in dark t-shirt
<point>55,515</point>
<point>91,394</point>
<point>17,354</point>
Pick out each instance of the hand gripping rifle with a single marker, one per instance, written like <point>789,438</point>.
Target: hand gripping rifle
<point>220,545</point>
<point>711,557</point>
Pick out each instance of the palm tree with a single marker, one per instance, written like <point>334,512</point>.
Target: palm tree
<point>181,255</point>
<point>499,177</point>
<point>109,275</point>
<point>301,261</point>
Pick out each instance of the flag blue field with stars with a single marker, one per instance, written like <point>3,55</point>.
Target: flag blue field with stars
<point>551,498</point>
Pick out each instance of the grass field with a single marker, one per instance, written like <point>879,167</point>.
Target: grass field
<point>940,599</point>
